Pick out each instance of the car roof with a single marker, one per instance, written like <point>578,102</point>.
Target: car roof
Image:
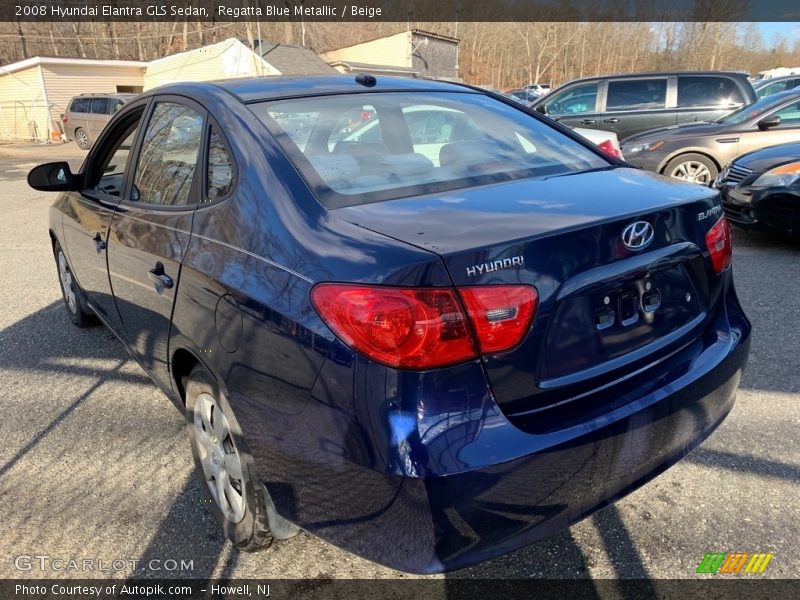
<point>252,89</point>
<point>739,74</point>
<point>765,82</point>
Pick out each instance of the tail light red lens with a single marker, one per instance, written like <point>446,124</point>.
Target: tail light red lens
<point>425,328</point>
<point>500,314</point>
<point>414,328</point>
<point>718,242</point>
<point>609,149</point>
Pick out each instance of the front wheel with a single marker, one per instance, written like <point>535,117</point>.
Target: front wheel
<point>695,168</point>
<point>224,465</point>
<point>74,298</point>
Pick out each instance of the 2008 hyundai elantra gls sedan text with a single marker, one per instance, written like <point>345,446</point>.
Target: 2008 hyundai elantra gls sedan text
<point>410,317</point>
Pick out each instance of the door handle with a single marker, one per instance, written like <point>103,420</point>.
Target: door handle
<point>611,120</point>
<point>99,243</point>
<point>157,276</point>
<point>588,121</point>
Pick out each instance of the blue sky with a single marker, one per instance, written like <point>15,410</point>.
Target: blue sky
<point>770,31</point>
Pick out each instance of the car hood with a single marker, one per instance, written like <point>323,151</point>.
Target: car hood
<point>760,161</point>
<point>493,214</point>
<point>676,132</point>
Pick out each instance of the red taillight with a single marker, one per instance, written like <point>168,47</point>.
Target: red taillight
<point>718,242</point>
<point>64,118</point>
<point>500,314</point>
<point>413,328</point>
<point>609,149</point>
<point>425,328</point>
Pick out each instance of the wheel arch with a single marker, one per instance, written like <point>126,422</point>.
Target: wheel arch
<point>181,365</point>
<point>701,151</point>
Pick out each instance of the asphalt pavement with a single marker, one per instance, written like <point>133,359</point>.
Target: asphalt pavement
<point>95,463</point>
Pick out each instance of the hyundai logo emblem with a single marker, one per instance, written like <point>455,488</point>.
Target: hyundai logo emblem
<point>637,235</point>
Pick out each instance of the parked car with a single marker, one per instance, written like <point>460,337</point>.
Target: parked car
<point>426,365</point>
<point>761,189</point>
<point>633,103</point>
<point>607,141</point>
<point>526,97</point>
<point>88,114</point>
<point>540,89</point>
<point>696,152</point>
<point>767,87</point>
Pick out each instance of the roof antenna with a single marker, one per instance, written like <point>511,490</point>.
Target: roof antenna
<point>366,80</point>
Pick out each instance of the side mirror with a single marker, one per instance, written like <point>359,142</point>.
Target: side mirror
<point>54,177</point>
<point>542,109</point>
<point>769,122</point>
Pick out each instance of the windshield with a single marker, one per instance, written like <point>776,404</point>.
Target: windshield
<point>752,111</point>
<point>366,147</point>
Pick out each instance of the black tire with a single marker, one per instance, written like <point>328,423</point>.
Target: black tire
<point>696,168</point>
<point>72,294</point>
<point>82,139</point>
<point>251,531</point>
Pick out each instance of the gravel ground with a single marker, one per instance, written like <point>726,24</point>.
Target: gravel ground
<point>95,462</point>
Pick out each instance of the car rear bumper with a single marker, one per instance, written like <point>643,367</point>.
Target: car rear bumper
<point>438,495</point>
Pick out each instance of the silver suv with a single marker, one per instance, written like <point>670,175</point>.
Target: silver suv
<point>87,114</point>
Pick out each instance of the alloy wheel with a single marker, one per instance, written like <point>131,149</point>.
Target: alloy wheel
<point>220,459</point>
<point>693,171</point>
<point>67,284</point>
<point>82,139</point>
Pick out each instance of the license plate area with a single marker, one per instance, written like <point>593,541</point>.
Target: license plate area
<point>600,324</point>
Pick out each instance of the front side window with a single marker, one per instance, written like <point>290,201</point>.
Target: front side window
<point>708,91</point>
<point>110,172</point>
<point>405,143</point>
<point>790,116</point>
<point>168,159</point>
<point>574,101</point>
<point>636,94</point>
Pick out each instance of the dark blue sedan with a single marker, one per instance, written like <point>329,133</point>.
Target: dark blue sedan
<point>410,317</point>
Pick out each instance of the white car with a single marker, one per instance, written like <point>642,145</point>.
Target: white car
<point>607,141</point>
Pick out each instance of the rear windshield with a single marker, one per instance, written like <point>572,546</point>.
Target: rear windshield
<point>367,147</point>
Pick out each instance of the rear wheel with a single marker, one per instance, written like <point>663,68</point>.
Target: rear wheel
<point>74,297</point>
<point>82,139</point>
<point>692,167</point>
<point>224,465</point>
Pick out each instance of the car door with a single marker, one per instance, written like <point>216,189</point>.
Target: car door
<point>88,213</point>
<point>575,106</point>
<point>634,105</point>
<point>788,130</point>
<point>99,115</point>
<point>150,231</point>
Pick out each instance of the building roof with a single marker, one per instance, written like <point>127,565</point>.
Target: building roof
<point>372,68</point>
<point>421,32</point>
<point>80,62</point>
<point>290,59</point>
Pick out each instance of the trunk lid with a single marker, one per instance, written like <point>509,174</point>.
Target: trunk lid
<point>605,310</point>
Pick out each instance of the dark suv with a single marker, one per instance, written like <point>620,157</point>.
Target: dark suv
<point>88,114</point>
<point>632,103</point>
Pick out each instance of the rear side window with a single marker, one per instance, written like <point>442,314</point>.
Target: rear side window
<point>636,94</point>
<point>168,158</point>
<point>220,167</point>
<point>100,106</point>
<point>708,91</point>
<point>80,105</point>
<point>367,147</point>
